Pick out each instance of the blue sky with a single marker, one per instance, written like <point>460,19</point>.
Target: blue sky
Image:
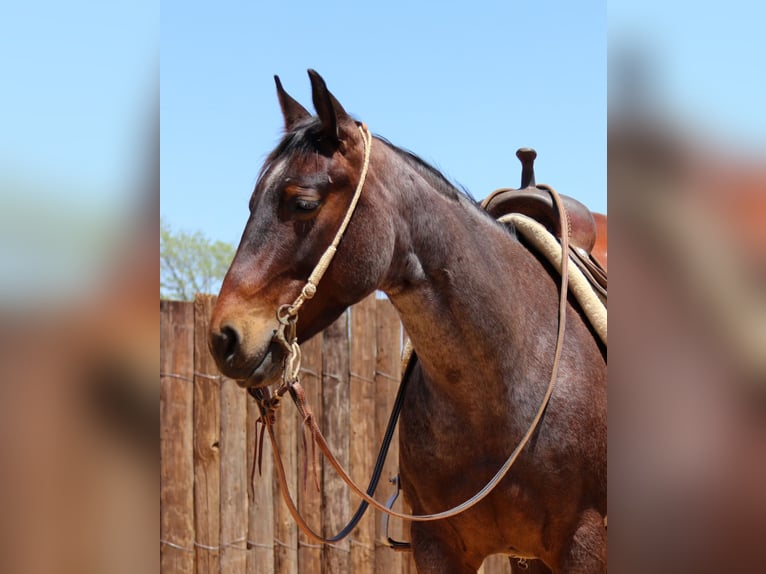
<point>79,83</point>
<point>462,84</point>
<point>78,108</point>
<point>706,63</point>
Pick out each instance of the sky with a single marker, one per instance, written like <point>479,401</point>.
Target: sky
<point>461,84</point>
<point>78,141</point>
<point>79,83</point>
<point>704,63</point>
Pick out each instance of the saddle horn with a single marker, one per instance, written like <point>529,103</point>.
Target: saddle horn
<point>527,157</point>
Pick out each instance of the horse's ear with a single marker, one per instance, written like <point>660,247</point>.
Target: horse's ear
<point>292,111</point>
<point>330,112</point>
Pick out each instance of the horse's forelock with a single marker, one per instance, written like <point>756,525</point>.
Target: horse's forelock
<point>298,140</point>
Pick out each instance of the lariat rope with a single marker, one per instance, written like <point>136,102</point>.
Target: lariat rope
<point>287,338</point>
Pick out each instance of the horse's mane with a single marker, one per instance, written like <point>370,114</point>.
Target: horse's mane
<point>430,173</point>
<point>440,183</point>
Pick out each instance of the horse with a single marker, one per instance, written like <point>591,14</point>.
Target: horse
<point>480,309</point>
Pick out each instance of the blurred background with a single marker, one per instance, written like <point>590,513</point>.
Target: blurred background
<point>79,337</point>
<point>79,269</point>
<point>687,215</point>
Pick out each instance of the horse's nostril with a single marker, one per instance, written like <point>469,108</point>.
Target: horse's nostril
<point>231,341</point>
<point>225,343</point>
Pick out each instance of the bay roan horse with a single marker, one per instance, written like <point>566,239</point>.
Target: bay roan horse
<point>481,311</point>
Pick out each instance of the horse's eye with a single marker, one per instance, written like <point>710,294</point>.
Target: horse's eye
<point>305,205</point>
<point>301,201</point>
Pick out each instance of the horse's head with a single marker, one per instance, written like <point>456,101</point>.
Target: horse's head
<point>302,194</point>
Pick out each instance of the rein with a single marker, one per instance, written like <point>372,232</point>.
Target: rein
<point>285,335</point>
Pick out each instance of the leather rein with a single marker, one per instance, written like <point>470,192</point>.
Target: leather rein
<point>286,336</point>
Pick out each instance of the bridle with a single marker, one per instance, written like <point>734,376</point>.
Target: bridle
<point>286,337</point>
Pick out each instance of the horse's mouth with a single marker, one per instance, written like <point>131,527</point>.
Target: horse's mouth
<point>268,371</point>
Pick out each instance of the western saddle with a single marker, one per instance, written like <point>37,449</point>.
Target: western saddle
<point>537,203</point>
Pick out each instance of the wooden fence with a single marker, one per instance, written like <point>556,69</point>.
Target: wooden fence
<point>212,521</point>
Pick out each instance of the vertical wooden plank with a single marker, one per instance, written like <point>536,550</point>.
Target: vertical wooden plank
<point>176,437</point>
<point>285,530</point>
<point>207,425</point>
<point>363,443</point>
<point>387,371</point>
<point>335,426</point>
<point>260,556</point>
<point>309,498</point>
<point>234,500</point>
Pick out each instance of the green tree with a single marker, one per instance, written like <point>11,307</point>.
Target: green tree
<point>191,263</point>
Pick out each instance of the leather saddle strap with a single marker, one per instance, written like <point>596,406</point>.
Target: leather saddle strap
<point>592,270</point>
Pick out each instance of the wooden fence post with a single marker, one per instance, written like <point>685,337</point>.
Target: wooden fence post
<point>234,475</point>
<point>176,437</point>
<point>207,436</point>
<point>335,426</point>
<point>363,443</point>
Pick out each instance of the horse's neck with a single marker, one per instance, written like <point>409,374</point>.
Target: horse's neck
<point>462,286</point>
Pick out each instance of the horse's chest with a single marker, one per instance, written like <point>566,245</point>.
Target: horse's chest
<point>440,442</point>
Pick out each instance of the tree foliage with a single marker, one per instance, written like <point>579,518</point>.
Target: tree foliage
<point>191,263</point>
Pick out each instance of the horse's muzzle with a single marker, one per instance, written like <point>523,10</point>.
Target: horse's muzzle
<point>268,371</point>
<point>249,370</point>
